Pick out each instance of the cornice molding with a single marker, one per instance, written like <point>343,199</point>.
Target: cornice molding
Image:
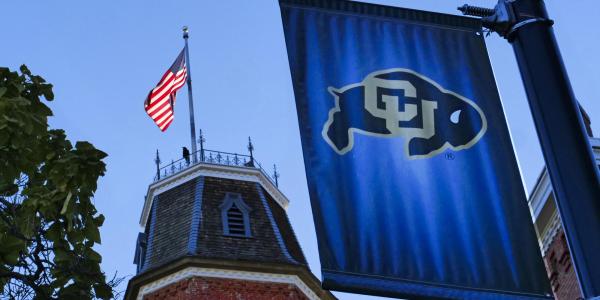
<point>540,194</point>
<point>148,277</point>
<point>595,142</point>
<point>550,232</point>
<point>211,170</point>
<point>226,274</point>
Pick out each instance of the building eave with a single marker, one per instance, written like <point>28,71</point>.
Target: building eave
<point>540,194</point>
<point>189,267</point>
<point>211,170</point>
<point>543,187</point>
<point>595,143</point>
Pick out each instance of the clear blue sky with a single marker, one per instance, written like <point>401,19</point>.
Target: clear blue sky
<point>104,56</point>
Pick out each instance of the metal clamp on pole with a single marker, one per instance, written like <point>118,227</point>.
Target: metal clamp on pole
<point>528,21</point>
<point>502,19</point>
<point>567,152</point>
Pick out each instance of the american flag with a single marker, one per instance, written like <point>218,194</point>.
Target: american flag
<point>160,103</point>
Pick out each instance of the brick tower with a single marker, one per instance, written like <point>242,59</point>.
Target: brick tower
<point>218,229</point>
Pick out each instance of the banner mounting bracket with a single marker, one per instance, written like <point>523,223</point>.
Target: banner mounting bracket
<point>502,19</point>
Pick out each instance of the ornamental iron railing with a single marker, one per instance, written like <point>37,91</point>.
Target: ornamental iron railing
<point>211,157</point>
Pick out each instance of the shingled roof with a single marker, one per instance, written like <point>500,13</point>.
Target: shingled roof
<point>185,219</point>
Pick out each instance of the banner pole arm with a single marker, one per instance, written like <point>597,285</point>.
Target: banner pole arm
<point>190,96</point>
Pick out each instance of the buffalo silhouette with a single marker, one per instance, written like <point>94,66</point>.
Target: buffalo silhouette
<point>402,103</point>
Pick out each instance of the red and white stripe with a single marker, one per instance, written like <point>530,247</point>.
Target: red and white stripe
<point>160,101</point>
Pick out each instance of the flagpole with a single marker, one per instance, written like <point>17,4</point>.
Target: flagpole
<point>190,97</point>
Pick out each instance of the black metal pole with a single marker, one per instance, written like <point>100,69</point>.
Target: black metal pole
<point>569,158</point>
<point>251,150</point>
<point>157,162</point>
<point>275,175</point>
<point>190,97</point>
<point>202,140</point>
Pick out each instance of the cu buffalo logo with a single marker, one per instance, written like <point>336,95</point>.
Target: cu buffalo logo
<point>402,103</point>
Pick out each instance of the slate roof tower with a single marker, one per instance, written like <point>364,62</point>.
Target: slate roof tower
<point>218,229</point>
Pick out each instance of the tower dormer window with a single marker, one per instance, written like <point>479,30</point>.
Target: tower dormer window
<point>140,251</point>
<point>235,215</point>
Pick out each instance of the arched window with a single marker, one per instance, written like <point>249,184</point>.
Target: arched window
<point>235,215</point>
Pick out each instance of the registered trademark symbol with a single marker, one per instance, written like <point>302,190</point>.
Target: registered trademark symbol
<point>450,156</point>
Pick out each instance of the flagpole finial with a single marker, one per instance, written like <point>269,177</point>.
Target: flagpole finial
<point>201,142</point>
<point>186,30</point>
<point>157,162</point>
<point>276,175</point>
<point>251,150</point>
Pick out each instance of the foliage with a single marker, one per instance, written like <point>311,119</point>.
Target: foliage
<point>48,223</point>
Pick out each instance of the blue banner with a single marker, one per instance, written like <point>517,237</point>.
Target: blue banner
<point>413,180</point>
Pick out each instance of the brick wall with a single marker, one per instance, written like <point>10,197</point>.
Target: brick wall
<point>560,269</point>
<point>226,289</point>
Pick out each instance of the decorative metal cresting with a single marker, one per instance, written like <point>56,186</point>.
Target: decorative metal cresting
<point>213,157</point>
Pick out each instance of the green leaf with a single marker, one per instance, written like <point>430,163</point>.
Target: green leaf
<point>99,220</point>
<point>48,94</point>
<point>20,101</point>
<point>92,233</point>
<point>46,90</point>
<point>66,204</point>
<point>54,232</point>
<point>11,258</point>
<point>94,256</point>
<point>103,291</point>
<point>25,70</point>
<point>11,243</point>
<point>2,91</point>
<point>60,255</point>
